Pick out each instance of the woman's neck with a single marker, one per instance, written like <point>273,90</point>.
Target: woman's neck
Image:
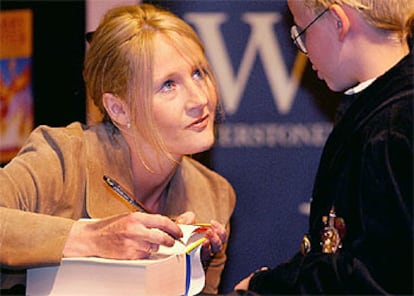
<point>151,177</point>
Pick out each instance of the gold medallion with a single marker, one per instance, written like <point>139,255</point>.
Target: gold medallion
<point>333,232</point>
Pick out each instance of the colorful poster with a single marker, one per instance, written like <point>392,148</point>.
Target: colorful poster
<point>16,99</point>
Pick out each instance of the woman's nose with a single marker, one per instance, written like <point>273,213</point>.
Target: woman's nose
<point>197,95</point>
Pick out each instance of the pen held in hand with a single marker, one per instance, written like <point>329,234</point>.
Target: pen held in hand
<point>132,203</point>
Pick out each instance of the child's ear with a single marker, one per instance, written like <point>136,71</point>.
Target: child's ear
<point>342,22</point>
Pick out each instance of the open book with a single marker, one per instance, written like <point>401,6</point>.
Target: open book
<point>170,271</point>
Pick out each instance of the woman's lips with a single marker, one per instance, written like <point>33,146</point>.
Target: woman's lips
<point>200,123</point>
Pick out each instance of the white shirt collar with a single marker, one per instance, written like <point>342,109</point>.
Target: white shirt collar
<point>360,87</point>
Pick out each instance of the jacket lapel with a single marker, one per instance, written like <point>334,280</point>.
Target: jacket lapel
<point>107,154</point>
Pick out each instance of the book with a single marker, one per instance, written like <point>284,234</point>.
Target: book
<point>170,271</point>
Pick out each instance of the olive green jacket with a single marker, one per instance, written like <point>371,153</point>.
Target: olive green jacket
<point>56,179</point>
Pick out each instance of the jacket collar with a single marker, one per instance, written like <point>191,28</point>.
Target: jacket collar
<point>107,154</point>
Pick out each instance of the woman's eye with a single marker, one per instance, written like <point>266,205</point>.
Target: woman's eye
<point>167,85</point>
<point>199,73</point>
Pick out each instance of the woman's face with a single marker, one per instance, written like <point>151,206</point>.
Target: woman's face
<point>184,100</point>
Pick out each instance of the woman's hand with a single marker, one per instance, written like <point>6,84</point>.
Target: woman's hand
<point>185,218</point>
<point>216,237</point>
<point>127,236</point>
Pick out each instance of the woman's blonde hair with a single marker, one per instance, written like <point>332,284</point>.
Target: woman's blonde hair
<point>396,16</point>
<point>120,60</point>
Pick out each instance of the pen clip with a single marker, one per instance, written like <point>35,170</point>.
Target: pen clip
<point>126,197</point>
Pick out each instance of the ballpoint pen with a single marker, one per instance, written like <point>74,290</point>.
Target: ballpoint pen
<point>127,198</point>
<point>132,203</point>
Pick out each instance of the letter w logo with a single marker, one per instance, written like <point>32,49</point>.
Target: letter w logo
<point>262,42</point>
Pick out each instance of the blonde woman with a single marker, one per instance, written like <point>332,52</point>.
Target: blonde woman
<point>147,73</point>
<point>360,235</point>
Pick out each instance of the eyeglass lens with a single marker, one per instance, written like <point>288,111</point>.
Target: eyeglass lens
<point>297,38</point>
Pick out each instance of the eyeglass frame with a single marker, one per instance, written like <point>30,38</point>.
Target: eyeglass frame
<point>301,43</point>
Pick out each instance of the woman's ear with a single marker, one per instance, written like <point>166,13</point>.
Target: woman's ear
<point>117,109</point>
<point>342,22</point>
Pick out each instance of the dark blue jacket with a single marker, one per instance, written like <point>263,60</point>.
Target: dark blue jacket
<point>366,172</point>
